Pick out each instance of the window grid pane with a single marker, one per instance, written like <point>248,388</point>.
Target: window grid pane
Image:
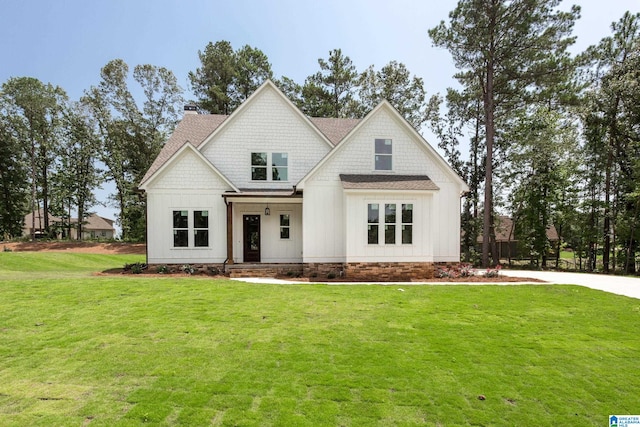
<point>372,234</point>
<point>390,234</point>
<point>201,238</point>
<point>407,223</point>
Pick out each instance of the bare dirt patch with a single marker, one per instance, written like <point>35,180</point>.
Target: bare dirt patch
<point>71,246</point>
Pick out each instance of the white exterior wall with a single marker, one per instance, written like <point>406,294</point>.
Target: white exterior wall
<point>273,249</point>
<point>325,202</point>
<point>358,248</point>
<point>267,124</point>
<point>188,185</point>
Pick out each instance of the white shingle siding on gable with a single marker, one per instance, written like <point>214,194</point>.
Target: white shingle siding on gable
<point>189,184</point>
<point>269,124</point>
<point>330,216</point>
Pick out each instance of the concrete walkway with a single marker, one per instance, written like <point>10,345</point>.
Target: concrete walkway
<point>627,286</point>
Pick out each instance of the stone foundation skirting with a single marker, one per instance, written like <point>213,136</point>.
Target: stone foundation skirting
<point>388,271</point>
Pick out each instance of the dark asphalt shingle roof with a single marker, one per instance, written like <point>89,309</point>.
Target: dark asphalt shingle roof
<point>387,182</point>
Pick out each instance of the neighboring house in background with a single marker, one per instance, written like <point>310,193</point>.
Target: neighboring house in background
<point>36,220</point>
<point>94,227</point>
<point>506,242</point>
<point>268,185</point>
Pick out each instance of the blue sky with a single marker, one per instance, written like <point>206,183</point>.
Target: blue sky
<point>66,42</point>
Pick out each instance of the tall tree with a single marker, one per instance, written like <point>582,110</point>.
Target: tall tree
<point>330,91</point>
<point>35,114</point>
<point>516,51</point>
<point>131,137</point>
<point>464,123</point>
<point>76,174</point>
<point>543,170</point>
<point>394,83</point>
<point>227,77</point>
<point>13,181</point>
<point>609,125</point>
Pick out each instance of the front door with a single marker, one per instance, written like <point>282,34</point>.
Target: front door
<point>251,238</point>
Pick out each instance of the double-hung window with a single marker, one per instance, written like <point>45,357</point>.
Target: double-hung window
<point>383,154</point>
<point>280,167</point>
<point>180,229</point>
<point>201,228</point>
<point>258,166</point>
<point>260,170</point>
<point>373,218</point>
<point>407,223</point>
<point>285,226</point>
<point>390,223</point>
<point>183,228</point>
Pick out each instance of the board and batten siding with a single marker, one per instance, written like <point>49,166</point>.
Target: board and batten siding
<point>267,124</point>
<point>188,185</point>
<point>273,249</point>
<point>330,221</point>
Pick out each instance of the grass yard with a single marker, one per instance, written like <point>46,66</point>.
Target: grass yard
<point>83,350</point>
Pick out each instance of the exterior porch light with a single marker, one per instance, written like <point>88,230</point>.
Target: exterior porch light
<point>267,211</point>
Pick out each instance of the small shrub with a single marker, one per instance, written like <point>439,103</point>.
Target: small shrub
<point>466,270</point>
<point>493,272</point>
<point>6,249</point>
<point>135,268</point>
<point>314,274</point>
<point>443,273</point>
<point>214,271</point>
<point>188,269</point>
<point>331,275</point>
<point>162,269</point>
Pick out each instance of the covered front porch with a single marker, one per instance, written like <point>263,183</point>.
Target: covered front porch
<point>263,227</point>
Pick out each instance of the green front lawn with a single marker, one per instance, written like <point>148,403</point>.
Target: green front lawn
<point>83,350</point>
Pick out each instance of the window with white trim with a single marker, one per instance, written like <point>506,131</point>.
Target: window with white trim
<point>373,218</point>
<point>258,166</point>
<point>285,226</point>
<point>201,229</point>
<point>279,167</point>
<point>390,223</point>
<point>278,171</point>
<point>407,223</point>
<point>183,228</point>
<point>398,226</point>
<point>383,154</point>
<point>180,229</point>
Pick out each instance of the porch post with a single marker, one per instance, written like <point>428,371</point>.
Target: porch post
<point>229,232</point>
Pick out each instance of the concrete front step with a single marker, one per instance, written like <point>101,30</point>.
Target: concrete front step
<point>263,270</point>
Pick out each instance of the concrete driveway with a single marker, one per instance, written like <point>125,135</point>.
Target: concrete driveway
<point>627,286</point>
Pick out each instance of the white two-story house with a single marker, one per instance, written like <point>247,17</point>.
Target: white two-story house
<point>268,185</point>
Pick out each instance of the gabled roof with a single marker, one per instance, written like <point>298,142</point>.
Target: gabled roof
<point>334,129</point>
<point>387,182</point>
<point>410,129</point>
<point>198,129</point>
<point>186,146</point>
<point>267,85</point>
<point>193,128</point>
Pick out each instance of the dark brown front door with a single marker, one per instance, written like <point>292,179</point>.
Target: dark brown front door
<point>251,238</point>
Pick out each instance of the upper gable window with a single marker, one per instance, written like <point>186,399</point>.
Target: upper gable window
<point>280,166</point>
<point>279,170</point>
<point>258,166</point>
<point>383,154</point>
